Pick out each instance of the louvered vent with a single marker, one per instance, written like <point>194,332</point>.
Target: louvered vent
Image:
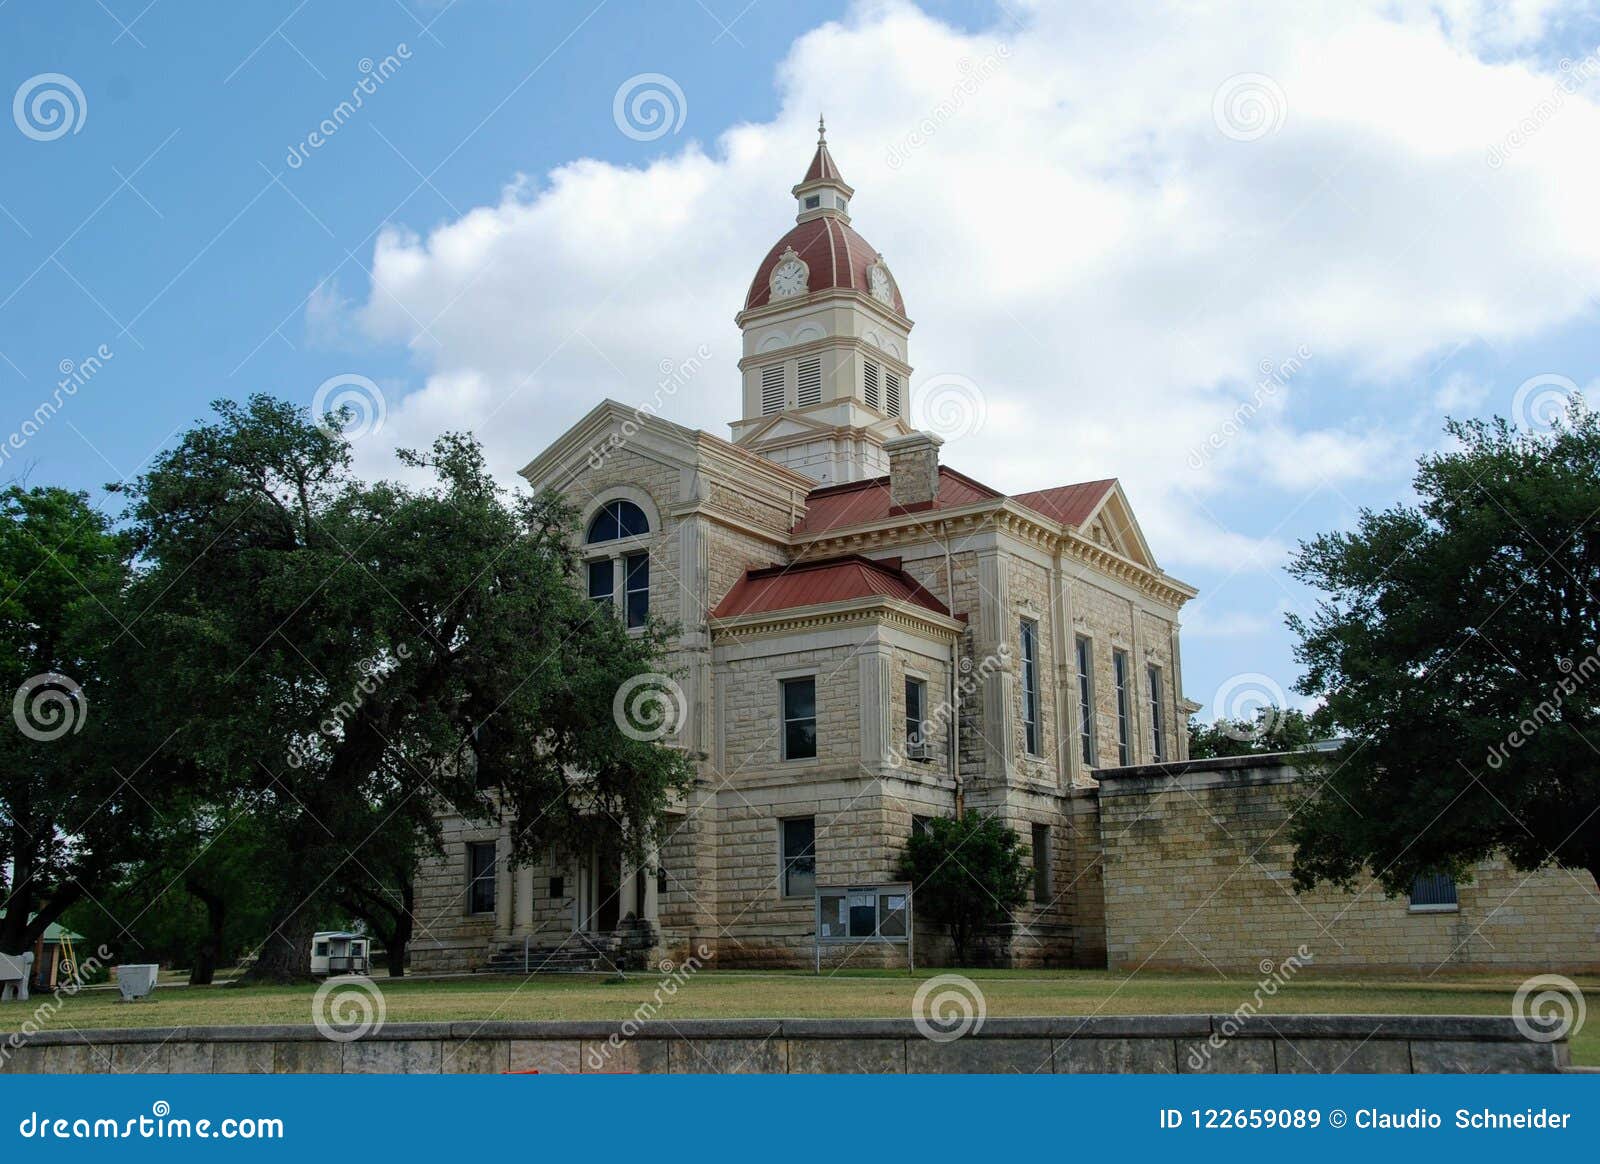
<point>870,375</point>
<point>771,389</point>
<point>809,387</point>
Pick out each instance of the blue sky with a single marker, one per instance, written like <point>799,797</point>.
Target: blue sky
<point>1103,222</point>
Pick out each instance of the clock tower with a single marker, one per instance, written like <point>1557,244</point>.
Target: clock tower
<point>826,377</point>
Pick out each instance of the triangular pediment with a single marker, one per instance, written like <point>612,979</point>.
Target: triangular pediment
<point>784,425</point>
<point>1113,525</point>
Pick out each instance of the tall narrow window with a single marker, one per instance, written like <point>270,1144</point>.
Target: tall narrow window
<point>1157,738</point>
<point>636,587</point>
<point>771,389</point>
<point>869,379</point>
<point>891,393</point>
<point>602,580</point>
<point>480,877</point>
<point>799,856</point>
<point>916,713</point>
<point>1119,669</point>
<point>1030,686</point>
<point>1086,699</point>
<point>808,386</point>
<point>799,719</point>
<point>1041,863</point>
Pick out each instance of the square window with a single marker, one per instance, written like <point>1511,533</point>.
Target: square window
<point>799,719</point>
<point>480,877</point>
<point>799,841</point>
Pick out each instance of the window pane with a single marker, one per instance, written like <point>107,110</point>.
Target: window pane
<point>1085,701</point>
<point>1119,667</point>
<point>1041,862</point>
<point>799,857</point>
<point>480,870</point>
<point>799,719</point>
<point>916,699</point>
<point>1157,738</point>
<point>800,739</point>
<point>600,580</point>
<point>618,519</point>
<point>637,584</point>
<point>631,519</point>
<point>1030,687</point>
<point>799,699</point>
<point>604,526</point>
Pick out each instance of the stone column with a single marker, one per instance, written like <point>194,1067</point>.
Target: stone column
<point>524,899</point>
<point>993,634</point>
<point>504,889</point>
<point>876,679</point>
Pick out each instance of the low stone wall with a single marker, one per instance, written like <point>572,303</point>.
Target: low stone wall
<point>1101,1044</point>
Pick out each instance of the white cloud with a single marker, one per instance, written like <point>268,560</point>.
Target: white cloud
<point>1075,234</point>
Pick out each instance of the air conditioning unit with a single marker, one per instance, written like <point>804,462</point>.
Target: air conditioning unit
<point>136,980</point>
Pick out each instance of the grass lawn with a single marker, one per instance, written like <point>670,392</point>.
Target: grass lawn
<point>856,994</point>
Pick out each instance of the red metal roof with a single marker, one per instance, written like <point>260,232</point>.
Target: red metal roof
<point>835,506</point>
<point>836,255</point>
<point>1068,504</point>
<point>823,581</point>
<point>839,505</point>
<point>822,166</point>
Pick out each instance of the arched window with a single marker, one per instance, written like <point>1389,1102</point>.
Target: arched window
<point>617,519</point>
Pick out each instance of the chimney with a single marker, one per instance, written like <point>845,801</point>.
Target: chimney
<point>913,469</point>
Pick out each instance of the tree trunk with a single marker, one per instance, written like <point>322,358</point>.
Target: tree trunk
<point>405,924</point>
<point>285,957</point>
<point>204,969</point>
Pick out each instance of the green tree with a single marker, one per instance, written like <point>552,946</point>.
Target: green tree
<point>1274,729</point>
<point>968,874</point>
<point>1458,649</point>
<point>352,653</point>
<point>71,801</point>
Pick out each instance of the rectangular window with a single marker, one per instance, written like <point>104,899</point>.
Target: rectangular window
<point>1119,673</point>
<point>922,826</point>
<point>771,389</point>
<point>799,856</point>
<point>813,201</point>
<point>636,587</point>
<point>1030,686</point>
<point>869,380</point>
<point>808,385</point>
<point>799,719</point>
<point>916,713</point>
<point>602,580</point>
<point>1157,740</point>
<point>480,877</point>
<point>1434,893</point>
<point>891,393</point>
<point>1086,699</point>
<point>1041,863</point>
<point>558,887</point>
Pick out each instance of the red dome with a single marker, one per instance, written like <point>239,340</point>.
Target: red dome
<point>836,255</point>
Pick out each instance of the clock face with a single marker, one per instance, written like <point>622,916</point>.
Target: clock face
<point>788,278</point>
<point>878,283</point>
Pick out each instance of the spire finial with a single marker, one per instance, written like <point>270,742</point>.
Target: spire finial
<point>822,131</point>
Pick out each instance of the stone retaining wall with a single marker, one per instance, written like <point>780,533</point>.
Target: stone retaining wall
<point>1150,1044</point>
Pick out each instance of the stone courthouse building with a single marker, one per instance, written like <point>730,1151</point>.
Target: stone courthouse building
<point>870,638</point>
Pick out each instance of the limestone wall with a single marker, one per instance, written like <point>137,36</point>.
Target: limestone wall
<point>1196,866</point>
